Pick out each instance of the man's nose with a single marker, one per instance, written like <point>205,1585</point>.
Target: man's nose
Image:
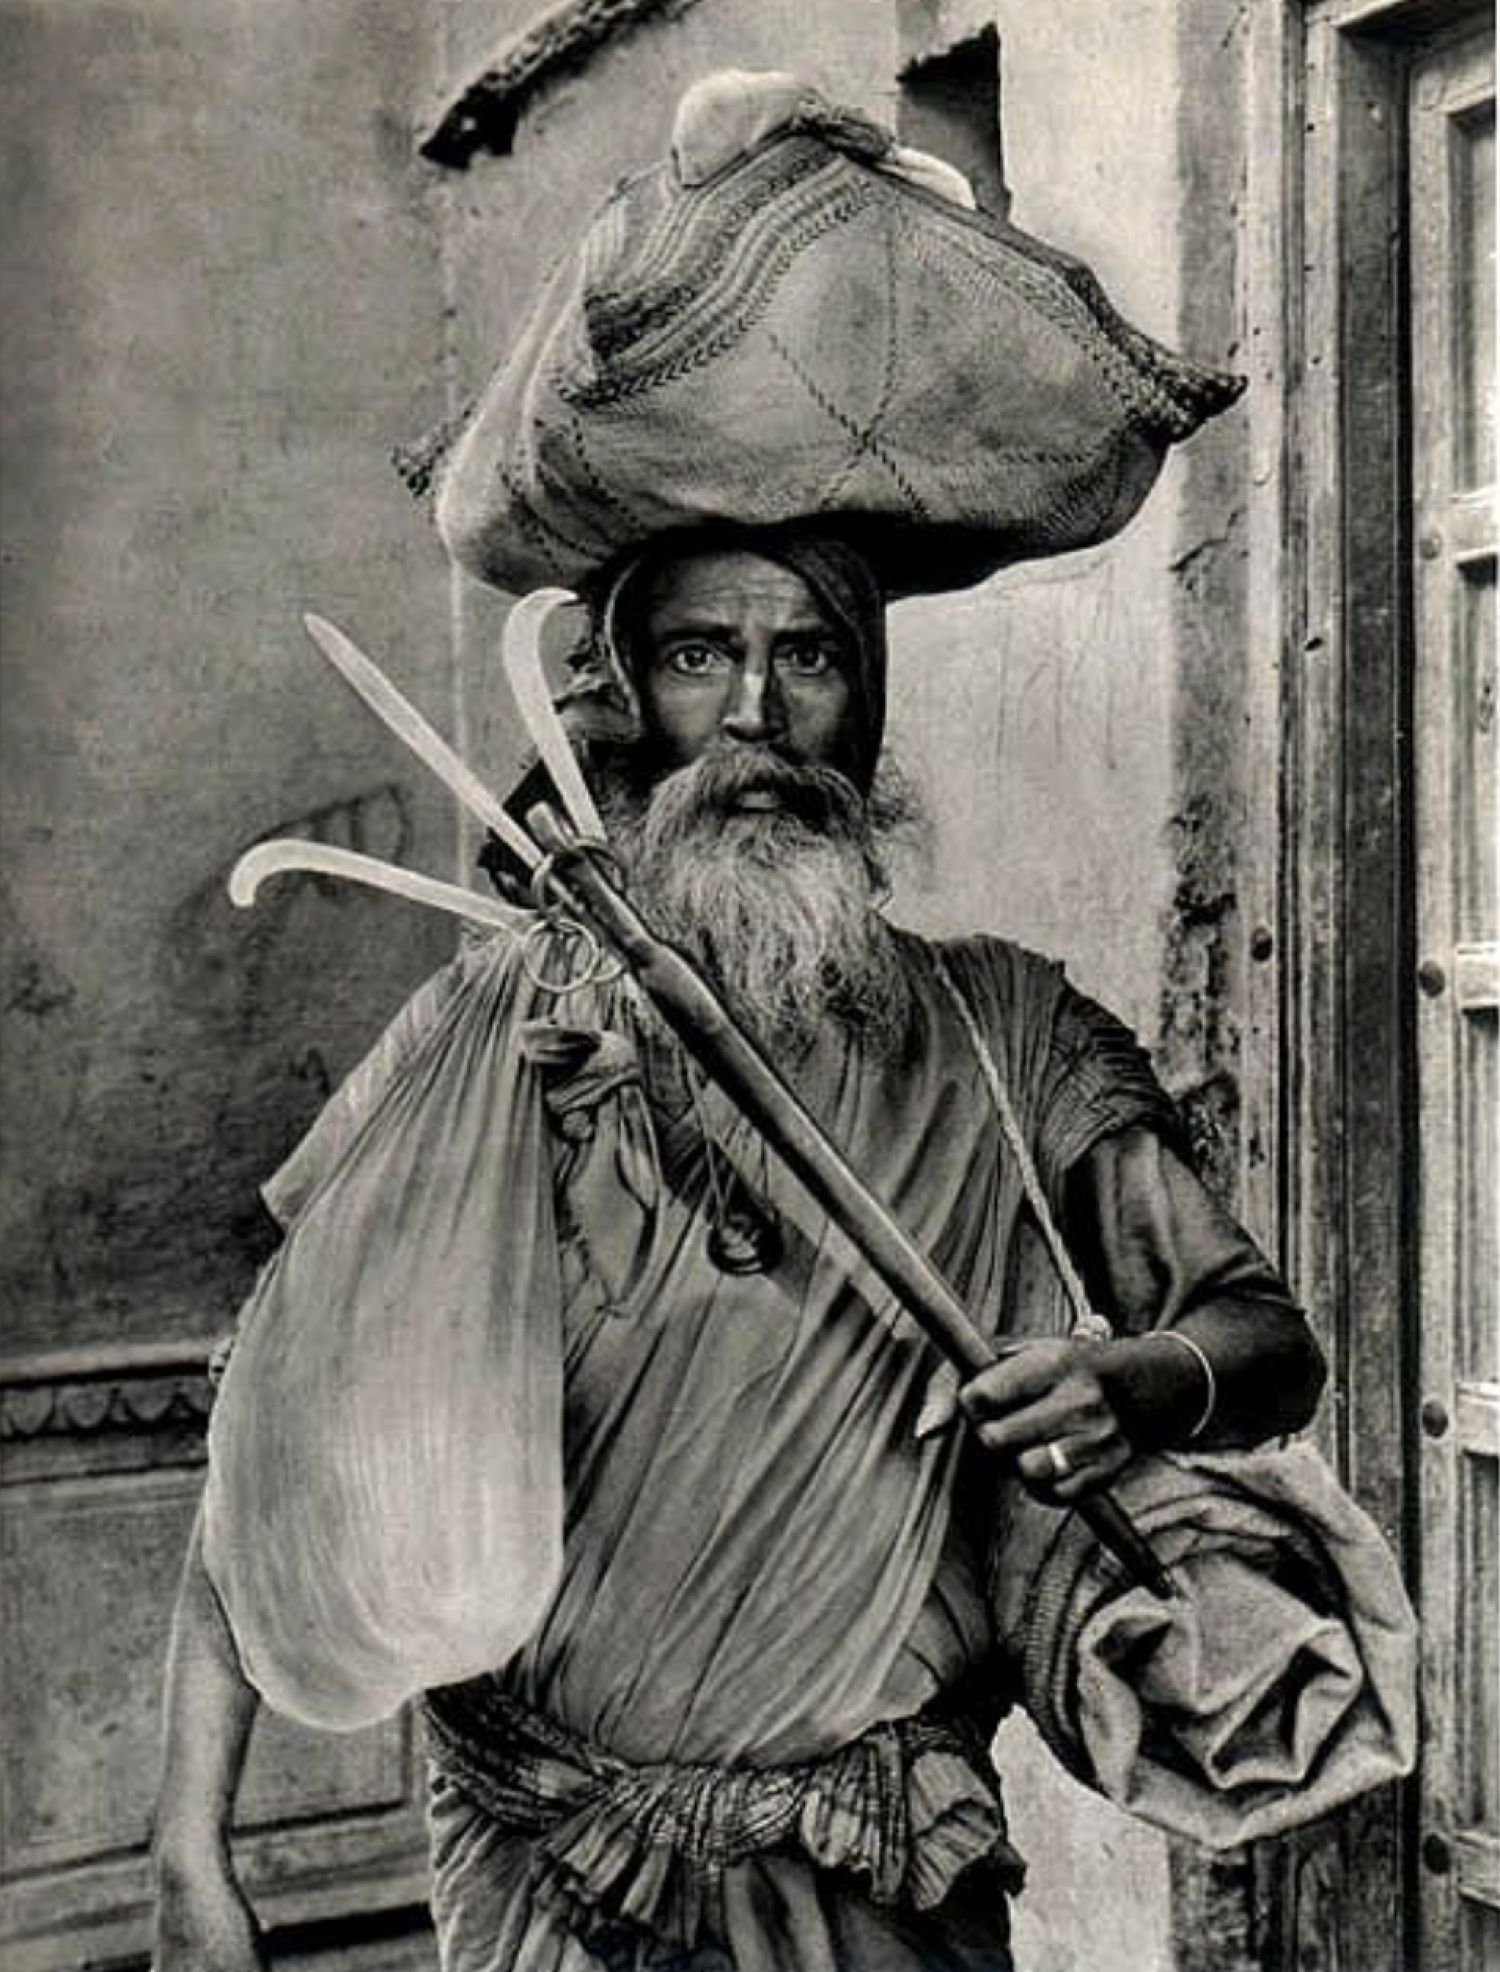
<point>754,712</point>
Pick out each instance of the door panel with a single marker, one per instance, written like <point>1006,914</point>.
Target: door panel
<point>1452,230</point>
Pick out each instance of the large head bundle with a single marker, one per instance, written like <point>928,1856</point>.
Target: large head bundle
<point>792,320</point>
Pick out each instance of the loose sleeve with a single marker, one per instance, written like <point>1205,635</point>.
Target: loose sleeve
<point>1150,1239</point>
<point>1098,1080</point>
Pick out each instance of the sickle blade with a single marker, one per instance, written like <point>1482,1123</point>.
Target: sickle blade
<point>268,859</point>
<point>521,655</point>
<point>402,717</point>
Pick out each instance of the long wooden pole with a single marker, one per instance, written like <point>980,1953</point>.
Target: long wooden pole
<point>733,1061</point>
<point>723,1050</point>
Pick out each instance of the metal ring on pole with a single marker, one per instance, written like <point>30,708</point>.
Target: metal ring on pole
<point>597,969</point>
<point>570,931</point>
<point>546,870</point>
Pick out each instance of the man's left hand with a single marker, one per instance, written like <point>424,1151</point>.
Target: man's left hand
<point>1046,1410</point>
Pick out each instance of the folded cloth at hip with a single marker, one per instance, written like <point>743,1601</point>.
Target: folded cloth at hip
<point>910,1805</point>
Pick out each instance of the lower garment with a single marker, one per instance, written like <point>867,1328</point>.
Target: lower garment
<point>774,1912</point>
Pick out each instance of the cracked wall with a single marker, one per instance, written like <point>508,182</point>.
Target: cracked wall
<point>1202,984</point>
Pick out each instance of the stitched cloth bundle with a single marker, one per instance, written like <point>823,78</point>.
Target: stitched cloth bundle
<point>795,319</point>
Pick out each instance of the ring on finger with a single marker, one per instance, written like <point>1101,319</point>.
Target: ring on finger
<point>1062,1465</point>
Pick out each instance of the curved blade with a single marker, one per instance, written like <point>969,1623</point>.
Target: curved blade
<point>425,741</point>
<point>269,859</point>
<point>521,655</point>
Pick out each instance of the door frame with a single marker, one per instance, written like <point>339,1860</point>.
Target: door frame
<point>1330,1085</point>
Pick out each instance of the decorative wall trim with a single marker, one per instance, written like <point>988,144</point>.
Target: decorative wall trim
<point>484,113</point>
<point>76,1393</point>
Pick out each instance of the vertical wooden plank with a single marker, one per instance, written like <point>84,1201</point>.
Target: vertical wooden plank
<point>1314,823</point>
<point>1273,613</point>
<point>1346,1054</point>
<point>1373,923</point>
<point>1373,926</point>
<point>1438,1474</point>
<point>1310,1882</point>
<point>1454,530</point>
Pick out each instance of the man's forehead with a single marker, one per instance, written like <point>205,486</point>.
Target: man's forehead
<point>727,586</point>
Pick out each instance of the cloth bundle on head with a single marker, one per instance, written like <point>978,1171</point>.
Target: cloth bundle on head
<point>794,319</point>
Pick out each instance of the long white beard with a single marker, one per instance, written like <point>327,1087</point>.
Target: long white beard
<point>776,905</point>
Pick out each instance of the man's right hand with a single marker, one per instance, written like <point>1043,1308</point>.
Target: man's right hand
<point>203,1922</point>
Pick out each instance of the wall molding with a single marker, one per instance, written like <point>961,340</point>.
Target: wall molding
<point>85,1392</point>
<point>484,112</point>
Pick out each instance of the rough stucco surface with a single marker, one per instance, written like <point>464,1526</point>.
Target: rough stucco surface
<point>1202,986</point>
<point>221,308</point>
<point>1060,675</point>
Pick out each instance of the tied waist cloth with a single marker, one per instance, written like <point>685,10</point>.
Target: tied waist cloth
<point>909,1806</point>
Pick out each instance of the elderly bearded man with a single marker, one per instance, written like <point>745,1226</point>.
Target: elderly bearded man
<point>751,1729</point>
<point>731,1701</point>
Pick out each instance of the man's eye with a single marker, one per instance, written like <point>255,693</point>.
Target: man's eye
<point>693,660</point>
<point>814,659</point>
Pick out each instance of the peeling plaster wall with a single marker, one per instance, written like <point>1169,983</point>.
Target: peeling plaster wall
<point>221,307</point>
<point>1203,986</point>
<point>220,311</point>
<point>1060,675</point>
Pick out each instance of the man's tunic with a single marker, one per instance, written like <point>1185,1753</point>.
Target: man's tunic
<point>766,1556</point>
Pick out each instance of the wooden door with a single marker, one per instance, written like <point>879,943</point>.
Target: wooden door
<point>1377,297</point>
<point>1451,135</point>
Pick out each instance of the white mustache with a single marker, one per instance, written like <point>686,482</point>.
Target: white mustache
<point>719,785</point>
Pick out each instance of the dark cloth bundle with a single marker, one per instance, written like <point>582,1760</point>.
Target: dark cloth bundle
<point>1280,1683</point>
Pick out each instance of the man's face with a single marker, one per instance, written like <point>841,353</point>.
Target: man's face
<point>744,824</point>
<point>735,652</point>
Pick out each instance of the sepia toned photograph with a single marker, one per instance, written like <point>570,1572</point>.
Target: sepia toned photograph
<point>749,1084</point>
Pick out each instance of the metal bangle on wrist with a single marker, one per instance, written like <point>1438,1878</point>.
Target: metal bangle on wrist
<point>1210,1381</point>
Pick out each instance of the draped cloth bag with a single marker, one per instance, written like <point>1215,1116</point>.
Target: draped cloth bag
<point>1277,1684</point>
<point>794,319</point>
<point>384,1500</point>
